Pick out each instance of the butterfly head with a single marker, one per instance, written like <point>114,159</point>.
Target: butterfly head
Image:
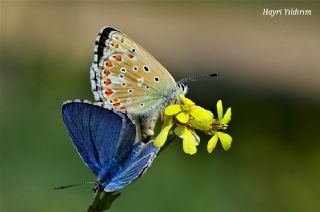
<point>182,87</point>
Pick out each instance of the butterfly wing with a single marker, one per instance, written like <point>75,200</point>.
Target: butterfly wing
<point>102,137</point>
<point>134,167</point>
<point>126,76</point>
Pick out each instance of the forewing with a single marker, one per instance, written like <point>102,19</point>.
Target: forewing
<point>126,76</point>
<point>99,134</point>
<point>134,167</point>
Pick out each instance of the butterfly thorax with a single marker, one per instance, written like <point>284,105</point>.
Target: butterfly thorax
<point>172,96</point>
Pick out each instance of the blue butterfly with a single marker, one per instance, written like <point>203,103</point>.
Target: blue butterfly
<point>105,141</point>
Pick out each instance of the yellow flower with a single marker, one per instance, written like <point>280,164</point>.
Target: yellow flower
<point>202,119</point>
<point>225,140</point>
<point>221,123</point>
<point>181,111</point>
<point>163,135</point>
<point>227,116</point>
<point>187,111</point>
<point>190,139</point>
<point>187,117</point>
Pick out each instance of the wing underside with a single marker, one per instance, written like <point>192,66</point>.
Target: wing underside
<point>126,76</point>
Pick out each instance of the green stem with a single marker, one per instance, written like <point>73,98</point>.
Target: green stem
<point>102,200</point>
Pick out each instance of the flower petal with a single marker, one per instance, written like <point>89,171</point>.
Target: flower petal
<point>198,112</point>
<point>212,143</point>
<point>195,137</point>
<point>167,120</point>
<point>225,140</point>
<point>187,103</point>
<point>179,131</point>
<point>219,109</point>
<point>202,118</point>
<point>200,125</point>
<point>162,137</point>
<point>227,117</point>
<point>183,117</point>
<point>189,144</point>
<point>173,109</point>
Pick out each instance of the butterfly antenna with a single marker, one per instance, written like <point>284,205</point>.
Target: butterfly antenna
<point>72,185</point>
<point>192,78</point>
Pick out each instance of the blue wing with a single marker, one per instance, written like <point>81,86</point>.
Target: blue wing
<point>134,166</point>
<point>102,137</point>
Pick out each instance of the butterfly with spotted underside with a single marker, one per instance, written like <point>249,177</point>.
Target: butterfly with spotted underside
<point>128,78</point>
<point>106,141</point>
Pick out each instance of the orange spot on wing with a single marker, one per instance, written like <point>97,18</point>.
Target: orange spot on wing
<point>107,73</point>
<point>109,92</point>
<point>122,107</point>
<point>108,82</point>
<point>115,100</point>
<point>109,64</point>
<point>130,56</point>
<point>118,57</point>
<point>116,105</point>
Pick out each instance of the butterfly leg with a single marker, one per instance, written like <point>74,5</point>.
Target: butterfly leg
<point>148,123</point>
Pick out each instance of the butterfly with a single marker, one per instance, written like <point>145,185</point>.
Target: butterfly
<point>128,78</point>
<point>105,140</point>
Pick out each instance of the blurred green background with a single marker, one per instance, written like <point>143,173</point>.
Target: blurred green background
<point>269,74</point>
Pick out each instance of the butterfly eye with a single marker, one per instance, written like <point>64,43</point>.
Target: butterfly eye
<point>147,87</point>
<point>133,50</point>
<point>156,79</point>
<point>130,90</point>
<point>121,76</point>
<point>135,68</point>
<point>123,84</point>
<point>123,70</point>
<point>141,104</point>
<point>146,68</point>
